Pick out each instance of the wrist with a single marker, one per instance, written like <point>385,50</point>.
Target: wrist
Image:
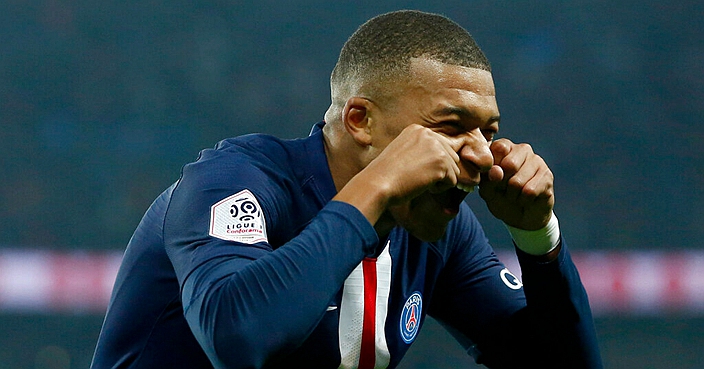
<point>369,197</point>
<point>538,242</point>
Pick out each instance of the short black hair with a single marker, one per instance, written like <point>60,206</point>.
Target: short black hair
<point>385,44</point>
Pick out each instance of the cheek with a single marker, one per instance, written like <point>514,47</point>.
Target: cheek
<point>387,128</point>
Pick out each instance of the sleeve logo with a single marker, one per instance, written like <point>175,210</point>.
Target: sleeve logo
<point>238,218</point>
<point>510,280</point>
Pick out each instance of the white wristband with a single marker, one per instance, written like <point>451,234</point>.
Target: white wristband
<point>538,242</point>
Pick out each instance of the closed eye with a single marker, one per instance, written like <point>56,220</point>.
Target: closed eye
<point>458,120</point>
<point>454,128</point>
<point>490,134</point>
<point>451,127</point>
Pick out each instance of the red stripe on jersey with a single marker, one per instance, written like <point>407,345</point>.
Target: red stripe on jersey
<point>367,355</point>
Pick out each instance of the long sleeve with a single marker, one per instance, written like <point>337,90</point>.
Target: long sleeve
<point>249,301</point>
<point>247,312</point>
<point>544,321</point>
<point>560,309</point>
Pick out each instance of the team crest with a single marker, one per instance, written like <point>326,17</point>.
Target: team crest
<point>410,317</point>
<point>238,218</point>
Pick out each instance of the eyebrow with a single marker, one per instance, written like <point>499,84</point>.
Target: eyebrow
<point>463,113</point>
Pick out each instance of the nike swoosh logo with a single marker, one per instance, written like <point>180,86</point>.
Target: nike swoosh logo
<point>331,308</point>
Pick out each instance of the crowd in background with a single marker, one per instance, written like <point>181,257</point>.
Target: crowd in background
<point>101,103</point>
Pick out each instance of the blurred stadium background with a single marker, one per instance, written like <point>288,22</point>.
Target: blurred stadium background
<point>101,102</point>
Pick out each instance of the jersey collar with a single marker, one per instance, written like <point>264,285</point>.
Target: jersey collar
<point>317,164</point>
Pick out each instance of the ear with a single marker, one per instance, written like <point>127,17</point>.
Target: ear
<point>357,120</point>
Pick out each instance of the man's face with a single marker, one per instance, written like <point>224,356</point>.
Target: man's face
<point>457,102</point>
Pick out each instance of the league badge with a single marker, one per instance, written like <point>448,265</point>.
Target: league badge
<point>238,218</point>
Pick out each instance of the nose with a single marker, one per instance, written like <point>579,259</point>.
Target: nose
<point>475,155</point>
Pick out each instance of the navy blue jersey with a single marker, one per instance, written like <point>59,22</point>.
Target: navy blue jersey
<point>246,262</point>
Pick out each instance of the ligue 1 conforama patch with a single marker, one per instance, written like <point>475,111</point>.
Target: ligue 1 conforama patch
<point>410,317</point>
<point>238,218</point>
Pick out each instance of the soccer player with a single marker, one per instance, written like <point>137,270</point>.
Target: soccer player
<point>329,251</point>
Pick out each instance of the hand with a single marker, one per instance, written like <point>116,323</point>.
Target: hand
<point>416,161</point>
<point>518,189</point>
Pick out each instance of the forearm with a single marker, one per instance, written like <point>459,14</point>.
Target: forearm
<point>241,310</point>
<point>562,326</point>
<point>366,193</point>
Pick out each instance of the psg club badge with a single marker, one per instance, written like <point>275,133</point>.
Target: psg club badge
<point>238,218</point>
<point>410,317</point>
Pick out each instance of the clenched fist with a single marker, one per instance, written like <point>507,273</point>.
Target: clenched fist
<point>518,189</point>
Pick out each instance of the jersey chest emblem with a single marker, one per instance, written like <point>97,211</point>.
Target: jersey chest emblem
<point>409,323</point>
<point>238,218</point>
